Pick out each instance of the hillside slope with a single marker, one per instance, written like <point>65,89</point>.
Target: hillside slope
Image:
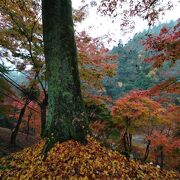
<point>73,160</point>
<point>22,141</point>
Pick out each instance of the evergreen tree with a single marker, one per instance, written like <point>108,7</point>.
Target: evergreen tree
<point>133,73</point>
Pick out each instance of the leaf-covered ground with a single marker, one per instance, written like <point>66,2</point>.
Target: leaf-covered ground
<point>71,160</point>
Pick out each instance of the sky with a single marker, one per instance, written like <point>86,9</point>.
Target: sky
<point>98,26</point>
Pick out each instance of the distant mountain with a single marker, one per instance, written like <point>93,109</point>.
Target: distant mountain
<point>133,73</point>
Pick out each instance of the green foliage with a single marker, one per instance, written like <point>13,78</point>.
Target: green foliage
<point>133,73</point>
<point>114,134</point>
<point>100,112</point>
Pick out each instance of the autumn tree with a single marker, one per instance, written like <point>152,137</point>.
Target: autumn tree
<point>149,10</point>
<point>67,118</point>
<point>94,63</point>
<point>31,119</point>
<point>165,45</point>
<point>21,34</point>
<point>165,139</point>
<point>134,112</point>
<point>165,148</point>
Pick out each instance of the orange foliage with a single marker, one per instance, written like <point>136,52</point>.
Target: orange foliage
<point>162,140</point>
<point>23,37</point>
<point>170,86</point>
<point>166,44</point>
<point>73,160</point>
<point>137,106</point>
<point>169,145</point>
<point>94,64</point>
<point>148,10</point>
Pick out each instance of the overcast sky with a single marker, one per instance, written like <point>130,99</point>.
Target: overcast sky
<point>97,25</point>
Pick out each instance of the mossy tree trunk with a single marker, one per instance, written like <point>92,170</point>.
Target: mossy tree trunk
<point>43,107</point>
<point>66,111</point>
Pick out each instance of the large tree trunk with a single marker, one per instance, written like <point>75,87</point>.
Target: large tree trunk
<point>43,107</point>
<point>66,111</point>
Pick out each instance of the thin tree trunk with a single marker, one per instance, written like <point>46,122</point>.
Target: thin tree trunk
<point>125,141</point>
<point>16,129</point>
<point>162,158</point>
<point>130,142</point>
<point>67,118</point>
<point>157,160</point>
<point>147,151</point>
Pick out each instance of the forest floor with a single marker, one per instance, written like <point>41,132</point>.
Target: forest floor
<point>72,160</point>
<point>22,142</point>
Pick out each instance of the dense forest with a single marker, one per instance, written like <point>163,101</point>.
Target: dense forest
<point>133,73</point>
<point>72,108</point>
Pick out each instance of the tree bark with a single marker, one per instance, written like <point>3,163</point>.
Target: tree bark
<point>130,142</point>
<point>16,130</point>
<point>147,151</point>
<point>43,107</point>
<point>67,118</point>
<point>162,158</point>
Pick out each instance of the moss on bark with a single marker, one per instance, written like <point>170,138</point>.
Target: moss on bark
<point>67,118</point>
